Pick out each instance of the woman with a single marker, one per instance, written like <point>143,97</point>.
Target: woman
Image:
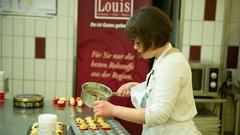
<point>164,102</point>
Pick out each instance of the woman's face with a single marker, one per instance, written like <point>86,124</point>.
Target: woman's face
<point>138,47</point>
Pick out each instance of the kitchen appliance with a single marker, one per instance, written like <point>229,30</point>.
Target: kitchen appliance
<point>205,79</point>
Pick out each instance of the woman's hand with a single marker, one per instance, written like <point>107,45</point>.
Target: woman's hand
<point>106,109</point>
<point>124,90</point>
<point>103,108</point>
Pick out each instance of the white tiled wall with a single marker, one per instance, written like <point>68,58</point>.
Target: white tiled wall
<point>197,9</point>
<point>212,37</point>
<point>197,31</point>
<point>233,33</point>
<point>233,39</point>
<point>52,76</point>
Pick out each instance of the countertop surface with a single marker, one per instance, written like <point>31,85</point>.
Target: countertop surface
<point>16,121</point>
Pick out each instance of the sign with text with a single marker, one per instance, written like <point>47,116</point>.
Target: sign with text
<point>105,54</point>
<point>113,9</point>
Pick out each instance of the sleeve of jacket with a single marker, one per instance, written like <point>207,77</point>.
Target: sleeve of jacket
<point>167,83</point>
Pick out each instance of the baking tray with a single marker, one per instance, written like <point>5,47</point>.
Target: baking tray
<point>64,129</point>
<point>28,100</point>
<point>116,127</point>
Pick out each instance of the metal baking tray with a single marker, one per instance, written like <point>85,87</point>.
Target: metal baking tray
<point>64,129</point>
<point>116,127</point>
<point>28,100</point>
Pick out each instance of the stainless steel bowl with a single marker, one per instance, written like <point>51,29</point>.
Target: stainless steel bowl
<point>92,91</point>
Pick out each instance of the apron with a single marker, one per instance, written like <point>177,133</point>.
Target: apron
<point>140,92</point>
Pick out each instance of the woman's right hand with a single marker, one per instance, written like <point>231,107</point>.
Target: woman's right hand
<point>124,90</point>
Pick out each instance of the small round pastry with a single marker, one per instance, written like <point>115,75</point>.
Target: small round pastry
<point>90,121</point>
<point>88,118</point>
<point>93,126</point>
<point>80,103</point>
<point>105,126</point>
<point>63,98</point>
<point>59,126</point>
<point>34,131</point>
<point>59,123</point>
<point>100,119</point>
<point>36,104</point>
<point>55,100</point>
<point>59,132</point>
<point>22,104</point>
<point>35,126</point>
<point>72,101</point>
<point>61,103</point>
<point>77,99</point>
<point>83,126</point>
<point>79,120</point>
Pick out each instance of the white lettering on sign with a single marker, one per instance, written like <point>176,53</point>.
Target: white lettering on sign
<point>117,9</point>
<point>114,6</point>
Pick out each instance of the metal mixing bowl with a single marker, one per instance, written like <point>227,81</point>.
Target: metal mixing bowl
<point>92,91</point>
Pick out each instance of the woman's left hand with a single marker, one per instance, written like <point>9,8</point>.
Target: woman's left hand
<point>103,108</point>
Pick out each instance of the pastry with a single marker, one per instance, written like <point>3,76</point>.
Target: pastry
<point>78,98</point>
<point>61,103</point>
<point>55,100</point>
<point>34,131</point>
<point>105,126</point>
<point>88,118</point>
<point>79,120</point>
<point>80,103</point>
<point>59,126</point>
<point>63,99</point>
<point>83,126</point>
<point>100,119</point>
<point>59,132</point>
<point>93,126</point>
<point>72,101</point>
<point>89,121</point>
<point>35,126</point>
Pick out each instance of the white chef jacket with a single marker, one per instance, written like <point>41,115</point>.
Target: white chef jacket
<point>170,104</point>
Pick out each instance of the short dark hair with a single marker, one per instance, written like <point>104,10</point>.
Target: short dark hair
<point>150,25</point>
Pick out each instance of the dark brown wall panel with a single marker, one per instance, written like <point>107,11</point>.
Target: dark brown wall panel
<point>232,56</point>
<point>195,53</point>
<point>210,10</point>
<point>40,48</point>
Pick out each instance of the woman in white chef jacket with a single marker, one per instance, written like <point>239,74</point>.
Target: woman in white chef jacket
<point>164,103</point>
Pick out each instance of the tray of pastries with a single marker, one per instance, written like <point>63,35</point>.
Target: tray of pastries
<point>61,129</point>
<point>88,124</point>
<point>28,100</point>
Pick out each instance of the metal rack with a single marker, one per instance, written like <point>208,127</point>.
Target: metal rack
<point>212,118</point>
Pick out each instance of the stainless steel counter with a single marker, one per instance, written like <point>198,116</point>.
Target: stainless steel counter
<point>15,121</point>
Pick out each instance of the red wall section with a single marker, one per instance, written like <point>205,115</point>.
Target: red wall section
<point>106,55</point>
<point>210,10</point>
<point>232,56</point>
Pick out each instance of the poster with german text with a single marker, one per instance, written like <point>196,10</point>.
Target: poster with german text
<point>105,54</point>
